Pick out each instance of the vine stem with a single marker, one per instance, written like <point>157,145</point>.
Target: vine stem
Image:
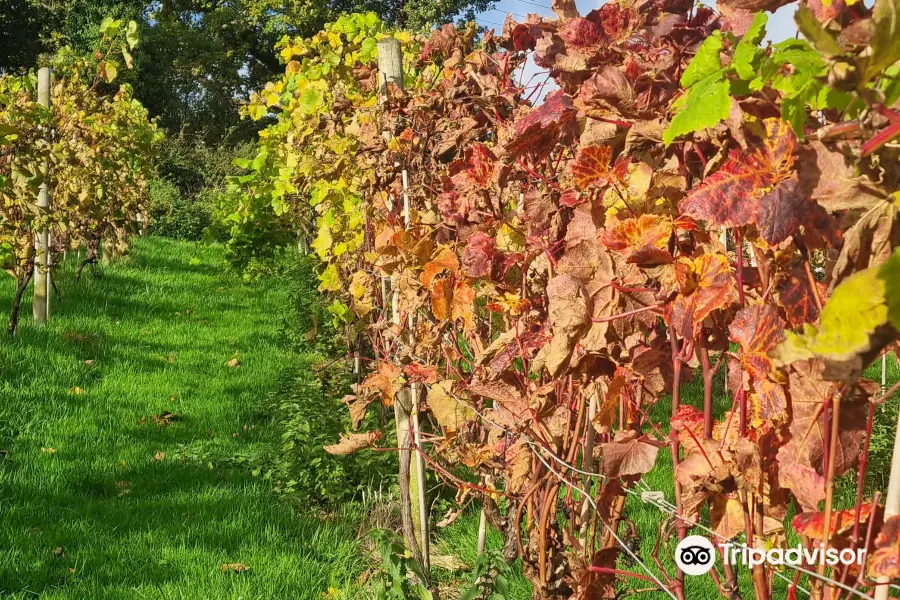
<point>816,591</point>
<point>891,503</point>
<point>860,481</point>
<point>674,448</point>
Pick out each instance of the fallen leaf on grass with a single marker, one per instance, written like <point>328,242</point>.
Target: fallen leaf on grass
<point>234,568</point>
<point>158,457</point>
<point>165,418</point>
<point>76,390</point>
<point>89,362</point>
<point>48,450</point>
<point>233,363</point>
<point>59,552</point>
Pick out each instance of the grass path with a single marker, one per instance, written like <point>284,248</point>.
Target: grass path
<point>97,501</point>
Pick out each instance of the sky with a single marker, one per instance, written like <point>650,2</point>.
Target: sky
<point>780,27</point>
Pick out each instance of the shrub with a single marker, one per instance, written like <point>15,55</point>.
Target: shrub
<point>174,216</point>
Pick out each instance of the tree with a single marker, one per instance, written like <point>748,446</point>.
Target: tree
<point>199,57</point>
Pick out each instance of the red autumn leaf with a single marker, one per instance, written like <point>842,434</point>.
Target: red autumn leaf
<point>645,233</point>
<point>591,166</point>
<point>885,559</point>
<point>353,442</point>
<point>768,402</point>
<point>782,211</point>
<point>807,486</point>
<point>419,373</point>
<point>580,32</point>
<point>540,130</point>
<point>474,170</point>
<point>731,195</point>
<point>812,524</point>
<point>443,259</point>
<point>795,295</point>
<point>607,87</point>
<point>478,255</point>
<point>758,329</point>
<point>522,40</point>
<point>616,19</point>
<point>688,420</point>
<point>455,207</point>
<point>709,286</point>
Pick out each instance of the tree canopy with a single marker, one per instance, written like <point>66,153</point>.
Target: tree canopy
<point>199,57</point>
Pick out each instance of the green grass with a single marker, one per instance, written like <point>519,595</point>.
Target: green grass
<point>85,510</point>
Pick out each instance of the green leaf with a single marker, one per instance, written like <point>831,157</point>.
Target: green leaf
<point>310,100</point>
<point>260,160</point>
<point>708,103</point>
<point>110,70</point>
<point>330,279</point>
<point>131,34</point>
<point>793,110</point>
<point>369,48</point>
<point>705,62</point>
<point>109,27</point>
<point>886,40</point>
<point>746,50</point>
<point>813,30</point>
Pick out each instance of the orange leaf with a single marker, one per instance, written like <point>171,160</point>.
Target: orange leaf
<point>591,166</point>
<point>812,524</point>
<point>731,196</point>
<point>441,297</point>
<point>444,259</point>
<point>707,285</point>
<point>630,235</point>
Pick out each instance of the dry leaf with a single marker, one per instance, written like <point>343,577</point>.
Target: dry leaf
<point>158,457</point>
<point>234,568</point>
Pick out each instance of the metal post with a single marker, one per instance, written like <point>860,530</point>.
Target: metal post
<point>41,306</point>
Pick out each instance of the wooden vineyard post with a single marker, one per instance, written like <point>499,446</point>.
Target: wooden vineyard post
<point>414,510</point>
<point>41,306</point>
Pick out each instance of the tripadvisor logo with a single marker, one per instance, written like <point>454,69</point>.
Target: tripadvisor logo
<point>696,555</point>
